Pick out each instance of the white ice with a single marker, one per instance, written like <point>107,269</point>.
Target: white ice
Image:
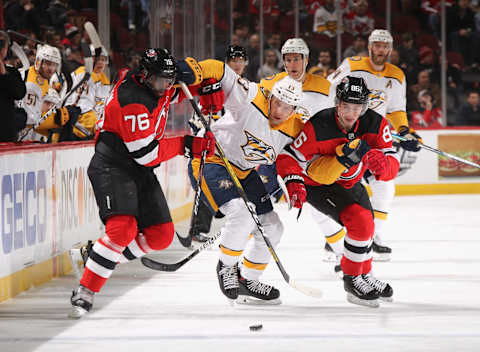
<point>434,273</point>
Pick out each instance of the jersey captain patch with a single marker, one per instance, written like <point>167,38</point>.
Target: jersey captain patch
<point>258,151</point>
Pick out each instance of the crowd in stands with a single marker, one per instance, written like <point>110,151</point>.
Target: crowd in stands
<point>415,28</point>
<point>416,32</point>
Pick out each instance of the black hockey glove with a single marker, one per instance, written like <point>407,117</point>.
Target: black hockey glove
<point>413,139</point>
<point>351,153</point>
<point>189,71</point>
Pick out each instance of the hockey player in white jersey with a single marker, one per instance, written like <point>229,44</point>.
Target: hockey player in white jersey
<point>48,61</point>
<point>236,58</point>
<point>261,123</point>
<point>90,96</point>
<point>316,97</point>
<point>388,98</point>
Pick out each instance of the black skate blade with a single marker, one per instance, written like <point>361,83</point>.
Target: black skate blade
<point>251,301</point>
<point>372,303</point>
<point>152,264</point>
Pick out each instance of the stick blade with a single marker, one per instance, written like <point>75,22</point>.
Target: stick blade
<point>152,264</point>
<point>306,290</point>
<point>92,34</point>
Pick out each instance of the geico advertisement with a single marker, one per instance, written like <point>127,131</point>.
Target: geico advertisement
<point>25,208</point>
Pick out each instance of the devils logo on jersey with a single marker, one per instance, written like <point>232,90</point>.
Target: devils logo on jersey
<point>258,151</point>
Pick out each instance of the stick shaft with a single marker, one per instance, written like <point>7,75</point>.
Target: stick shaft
<point>440,152</point>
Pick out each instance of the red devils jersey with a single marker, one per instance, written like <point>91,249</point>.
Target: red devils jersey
<point>135,115</point>
<point>313,153</point>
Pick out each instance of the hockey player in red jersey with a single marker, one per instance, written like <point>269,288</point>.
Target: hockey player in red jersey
<point>129,145</point>
<point>324,167</point>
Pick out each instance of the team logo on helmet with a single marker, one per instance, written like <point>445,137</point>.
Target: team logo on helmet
<point>151,53</point>
<point>258,151</point>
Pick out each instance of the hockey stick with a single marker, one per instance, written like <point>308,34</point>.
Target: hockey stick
<point>18,51</point>
<point>439,152</point>
<point>283,187</point>
<point>187,241</point>
<point>304,289</point>
<point>153,264</point>
<point>21,35</point>
<point>94,38</point>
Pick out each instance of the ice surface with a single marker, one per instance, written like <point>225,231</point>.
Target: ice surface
<point>435,273</point>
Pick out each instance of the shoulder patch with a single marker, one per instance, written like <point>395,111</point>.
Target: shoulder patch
<point>370,122</point>
<point>270,81</point>
<point>325,126</point>
<point>317,84</point>
<point>261,101</point>
<point>128,93</point>
<point>392,71</point>
<point>358,63</point>
<point>292,127</point>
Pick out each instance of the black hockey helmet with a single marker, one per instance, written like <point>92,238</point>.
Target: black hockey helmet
<point>352,90</point>
<point>234,51</point>
<point>158,62</point>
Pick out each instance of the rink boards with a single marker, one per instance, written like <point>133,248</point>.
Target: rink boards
<point>48,206</point>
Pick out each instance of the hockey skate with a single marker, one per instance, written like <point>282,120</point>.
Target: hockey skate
<point>82,302</point>
<point>78,258</point>
<point>253,292</point>
<point>381,253</point>
<point>360,292</point>
<point>329,254</point>
<point>384,289</point>
<point>228,279</point>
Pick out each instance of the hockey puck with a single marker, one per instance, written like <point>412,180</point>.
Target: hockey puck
<point>256,327</point>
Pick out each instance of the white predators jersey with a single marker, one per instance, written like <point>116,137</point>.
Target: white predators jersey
<point>37,88</point>
<point>325,22</point>
<point>388,87</point>
<point>245,133</point>
<point>93,93</point>
<point>316,90</point>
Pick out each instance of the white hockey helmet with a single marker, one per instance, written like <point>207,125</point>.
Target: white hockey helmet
<point>288,91</point>
<point>52,96</point>
<point>295,46</point>
<point>50,53</point>
<point>380,35</point>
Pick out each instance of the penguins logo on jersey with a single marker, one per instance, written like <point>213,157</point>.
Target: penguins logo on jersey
<point>258,151</point>
<point>376,98</point>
